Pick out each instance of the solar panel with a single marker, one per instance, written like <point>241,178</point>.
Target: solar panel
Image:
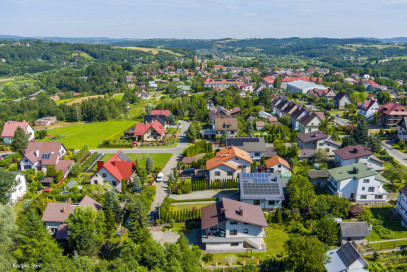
<point>240,141</point>
<point>45,156</point>
<point>123,156</point>
<point>261,189</point>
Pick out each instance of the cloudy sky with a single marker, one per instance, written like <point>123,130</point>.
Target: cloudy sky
<point>204,18</point>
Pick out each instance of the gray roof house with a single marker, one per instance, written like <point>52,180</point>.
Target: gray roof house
<point>346,258</point>
<point>353,232</point>
<point>252,145</point>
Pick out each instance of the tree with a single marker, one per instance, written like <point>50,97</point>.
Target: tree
<point>112,202</point>
<point>20,141</point>
<point>301,192</point>
<point>277,83</point>
<point>321,156</point>
<point>305,254</point>
<point>142,174</point>
<point>137,185</point>
<point>335,136</point>
<point>327,230</point>
<point>331,205</point>
<point>374,143</point>
<point>348,140</point>
<point>149,165</point>
<point>190,256</point>
<point>402,144</point>
<point>7,183</point>
<point>224,136</point>
<point>191,133</point>
<point>138,220</point>
<point>377,267</point>
<point>395,173</point>
<point>86,228</point>
<point>51,171</point>
<point>324,125</point>
<point>285,120</point>
<point>249,128</point>
<point>76,170</point>
<point>383,97</point>
<point>278,219</point>
<point>110,221</point>
<point>360,134</point>
<point>7,231</point>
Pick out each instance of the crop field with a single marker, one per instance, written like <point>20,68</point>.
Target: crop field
<point>75,135</point>
<point>153,51</point>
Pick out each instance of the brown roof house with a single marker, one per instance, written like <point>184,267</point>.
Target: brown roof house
<point>390,114</point>
<point>225,122</point>
<point>56,213</point>
<point>10,127</point>
<point>357,153</point>
<point>277,165</point>
<point>318,140</point>
<point>311,121</point>
<point>233,226</point>
<point>39,155</point>
<point>228,163</point>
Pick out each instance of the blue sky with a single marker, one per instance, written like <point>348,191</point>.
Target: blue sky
<point>204,18</point>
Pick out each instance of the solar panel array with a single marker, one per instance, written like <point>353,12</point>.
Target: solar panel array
<point>261,188</point>
<point>256,177</point>
<point>45,156</point>
<point>239,142</point>
<point>123,156</point>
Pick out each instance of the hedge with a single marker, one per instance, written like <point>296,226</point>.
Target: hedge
<point>187,186</point>
<point>82,154</point>
<point>194,200</point>
<point>390,244</point>
<point>198,148</point>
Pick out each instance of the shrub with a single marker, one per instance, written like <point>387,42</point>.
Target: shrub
<point>208,257</point>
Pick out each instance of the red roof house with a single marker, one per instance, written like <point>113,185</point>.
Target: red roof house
<point>147,131</point>
<point>10,127</point>
<point>161,112</point>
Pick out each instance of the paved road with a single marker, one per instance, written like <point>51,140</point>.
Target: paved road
<point>341,121</point>
<point>397,155</point>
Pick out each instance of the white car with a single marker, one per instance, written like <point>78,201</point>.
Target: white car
<point>160,177</point>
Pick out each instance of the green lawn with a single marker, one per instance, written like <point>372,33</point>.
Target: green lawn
<point>160,159</point>
<point>76,135</point>
<point>393,224</point>
<point>190,206</point>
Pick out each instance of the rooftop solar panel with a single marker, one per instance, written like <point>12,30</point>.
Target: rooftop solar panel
<point>123,156</point>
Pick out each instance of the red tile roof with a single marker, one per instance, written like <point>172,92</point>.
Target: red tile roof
<point>366,105</point>
<point>10,128</point>
<point>227,154</point>
<point>277,160</point>
<point>119,168</point>
<point>392,108</point>
<point>44,148</point>
<point>269,79</point>
<point>142,128</point>
<point>161,112</point>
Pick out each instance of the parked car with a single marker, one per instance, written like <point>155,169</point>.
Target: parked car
<point>160,177</point>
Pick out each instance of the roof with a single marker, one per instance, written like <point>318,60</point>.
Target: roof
<point>308,117</point>
<point>342,258</point>
<point>188,160</point>
<point>266,186</point>
<point>234,110</point>
<point>353,152</point>
<point>142,128</point>
<point>64,165</point>
<point>347,172</point>
<point>48,152</point>
<point>248,144</point>
<point>312,136</point>
<point>119,166</point>
<point>329,140</point>
<point>355,209</point>
<point>348,254</point>
<point>10,127</point>
<point>270,152</point>
<point>161,112</point>
<point>57,212</point>
<point>392,108</point>
<point>88,201</point>
<point>228,209</point>
<point>367,104</point>
<point>226,154</point>
<point>340,95</point>
<point>62,232</point>
<point>277,160</point>
<point>301,84</point>
<point>314,174</point>
<point>269,79</point>
<point>291,79</point>
<point>404,190</point>
<point>260,124</point>
<point>354,229</point>
<point>230,123</point>
<point>306,153</point>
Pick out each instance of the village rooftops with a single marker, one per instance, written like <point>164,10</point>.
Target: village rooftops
<point>353,152</point>
<point>226,154</point>
<point>356,170</point>
<point>312,136</point>
<point>248,144</point>
<point>228,209</point>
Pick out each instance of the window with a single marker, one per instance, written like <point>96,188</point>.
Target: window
<point>257,154</point>
<point>217,173</point>
<point>240,166</point>
<point>378,197</point>
<point>233,232</point>
<point>230,173</point>
<point>246,231</point>
<point>371,189</point>
<point>363,188</point>
<point>95,181</point>
<point>114,183</point>
<point>272,202</point>
<point>366,181</point>
<point>256,202</point>
<point>279,166</point>
<point>233,222</point>
<point>234,244</point>
<point>104,175</point>
<point>321,144</point>
<point>363,197</point>
<point>25,160</point>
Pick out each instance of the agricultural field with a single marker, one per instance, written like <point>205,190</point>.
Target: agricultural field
<point>75,135</point>
<point>83,55</point>
<point>160,159</point>
<point>153,51</point>
<point>70,101</point>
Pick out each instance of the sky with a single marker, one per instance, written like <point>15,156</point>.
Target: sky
<point>204,19</point>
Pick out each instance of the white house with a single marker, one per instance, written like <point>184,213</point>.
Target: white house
<point>402,129</point>
<point>345,258</point>
<point>401,206</point>
<point>358,183</point>
<point>341,99</point>
<point>114,171</point>
<point>263,114</point>
<point>233,226</point>
<point>152,84</point>
<point>317,140</point>
<point>19,189</point>
<point>10,127</point>
<point>311,121</point>
<point>228,163</point>
<point>368,108</point>
<point>277,165</point>
<point>357,153</point>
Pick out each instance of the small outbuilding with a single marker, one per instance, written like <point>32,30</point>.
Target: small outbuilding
<point>354,211</point>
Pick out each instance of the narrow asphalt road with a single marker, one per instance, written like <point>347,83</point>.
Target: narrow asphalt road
<point>397,155</point>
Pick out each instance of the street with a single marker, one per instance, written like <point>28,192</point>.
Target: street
<point>397,155</point>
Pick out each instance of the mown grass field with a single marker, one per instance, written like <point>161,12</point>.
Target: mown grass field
<point>160,159</point>
<point>390,222</point>
<point>76,135</point>
<point>153,51</point>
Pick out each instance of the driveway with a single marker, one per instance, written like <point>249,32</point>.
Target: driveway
<point>397,155</point>
<point>206,194</point>
<point>163,237</point>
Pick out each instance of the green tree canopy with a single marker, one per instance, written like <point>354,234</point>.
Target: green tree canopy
<point>301,192</point>
<point>20,141</point>
<point>327,230</point>
<point>305,254</point>
<point>7,183</point>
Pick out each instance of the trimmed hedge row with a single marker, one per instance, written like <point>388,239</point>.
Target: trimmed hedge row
<point>188,186</point>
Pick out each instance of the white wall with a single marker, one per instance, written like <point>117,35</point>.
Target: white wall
<point>279,168</point>
<point>264,204</point>
<point>360,188</point>
<point>99,179</point>
<point>19,190</point>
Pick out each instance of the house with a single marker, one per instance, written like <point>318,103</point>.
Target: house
<point>261,189</point>
<point>260,125</point>
<point>273,121</point>
<point>277,165</point>
<point>248,87</point>
<point>143,95</point>
<point>390,114</point>
<point>358,183</point>
<point>311,121</point>
<point>353,232</point>
<point>228,123</point>
<point>318,93</point>
<point>317,140</point>
<point>258,89</point>
<point>223,83</point>
<point>357,153</point>
<point>242,94</point>
<point>18,190</point>
<point>341,99</point>
<point>117,169</point>
<point>302,87</point>
<point>402,129</point>
<point>217,111</point>
<point>230,225</point>
<point>254,146</point>
<point>10,127</point>
<point>39,155</point>
<point>46,121</point>
<point>368,108</point>
<point>146,131</point>
<point>263,114</point>
<point>319,178</point>
<point>296,116</point>
<point>163,116</point>
<point>209,104</point>
<point>56,213</point>
<point>268,81</point>
<point>234,111</point>
<point>401,206</point>
<point>346,258</point>
<point>228,163</point>
<point>152,84</point>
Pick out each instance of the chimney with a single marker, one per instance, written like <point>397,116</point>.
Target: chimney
<point>100,165</point>
<point>69,200</point>
<point>63,210</point>
<point>241,210</point>
<point>355,150</point>
<point>355,170</point>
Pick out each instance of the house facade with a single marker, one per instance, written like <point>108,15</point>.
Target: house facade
<point>358,183</point>
<point>368,108</point>
<point>353,232</point>
<point>10,127</point>
<point>45,121</point>
<point>228,163</point>
<point>147,131</point>
<point>230,225</point>
<point>317,140</point>
<point>302,87</point>
<point>401,206</point>
<point>226,122</point>
<point>255,146</point>
<point>402,129</point>
<point>390,114</point>
<point>341,99</point>
<point>346,258</point>
<point>276,164</point>
<point>311,121</point>
<point>355,154</point>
